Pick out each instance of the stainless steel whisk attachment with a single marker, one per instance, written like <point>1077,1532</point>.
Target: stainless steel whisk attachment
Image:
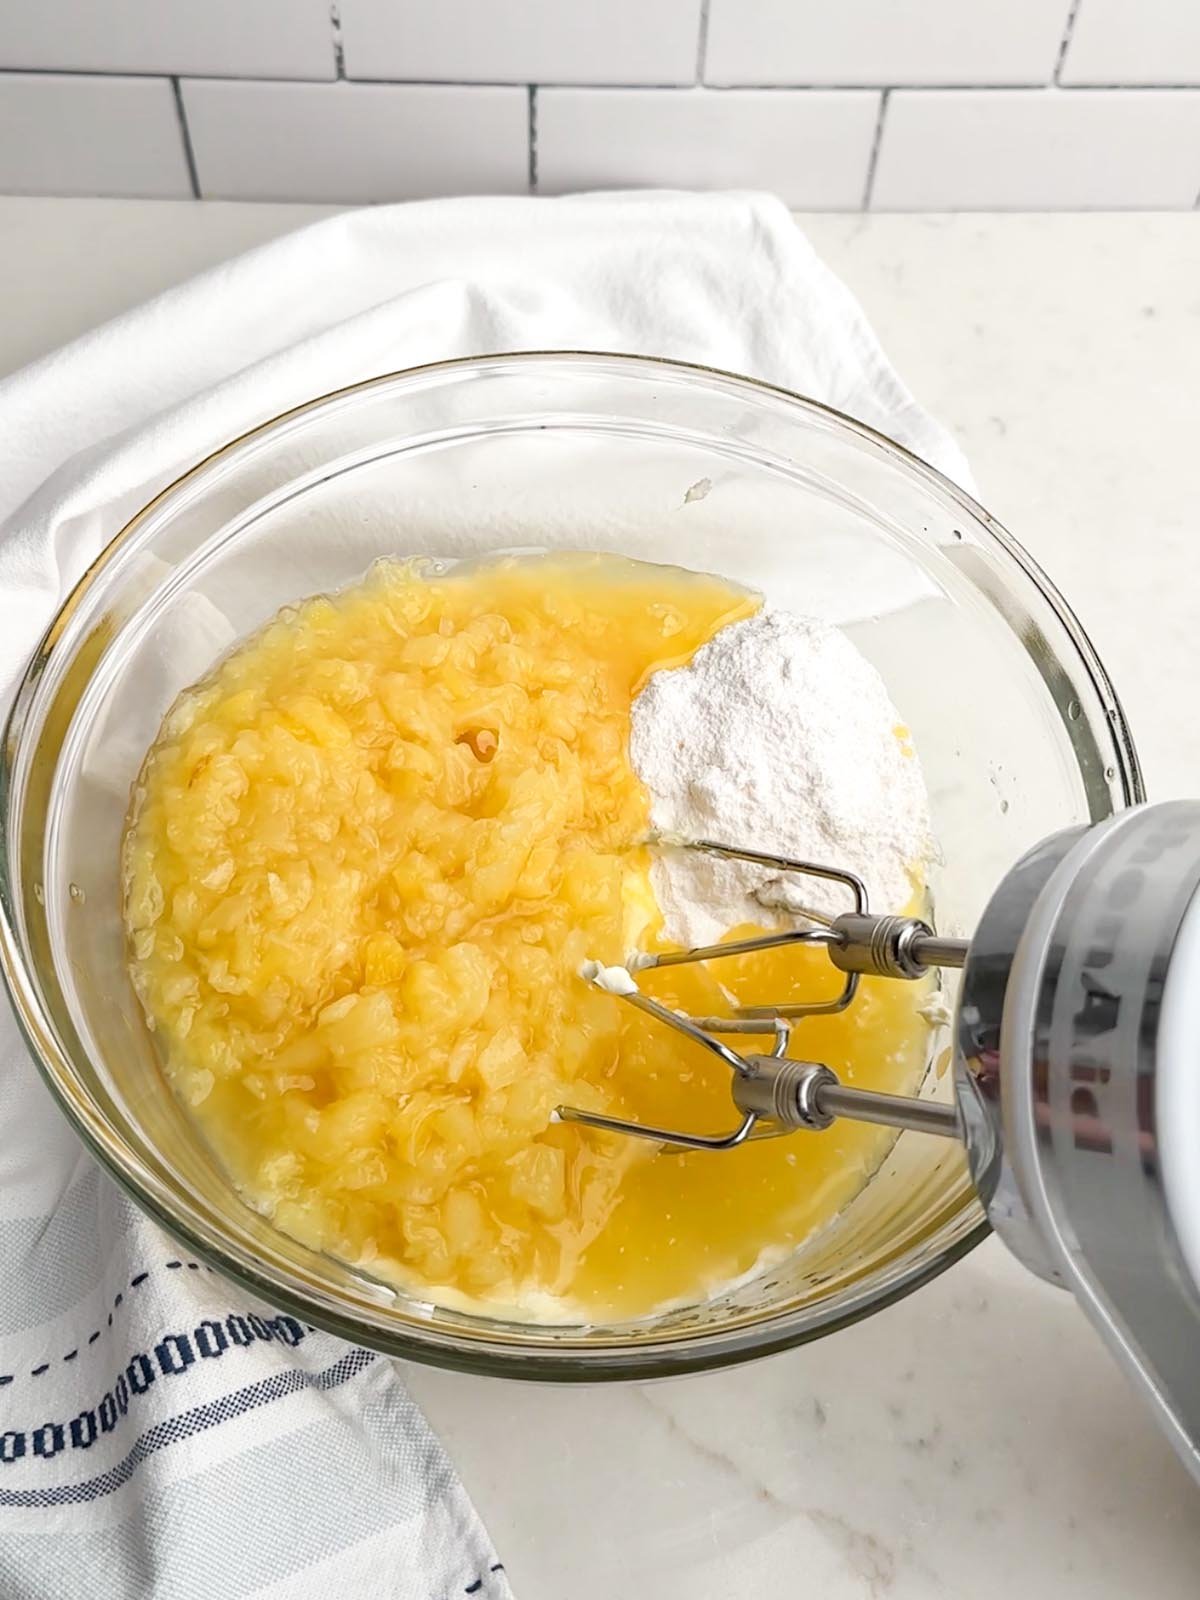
<point>777,1093</point>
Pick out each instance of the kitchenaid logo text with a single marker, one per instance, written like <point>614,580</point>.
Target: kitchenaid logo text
<point>1095,1023</point>
<point>209,1340</point>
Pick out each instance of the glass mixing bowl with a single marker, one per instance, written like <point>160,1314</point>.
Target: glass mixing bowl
<point>1014,719</point>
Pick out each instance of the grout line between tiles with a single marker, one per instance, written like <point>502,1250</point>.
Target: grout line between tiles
<point>1065,45</point>
<point>1125,88</point>
<point>98,75</point>
<point>339,48</point>
<point>1063,91</point>
<point>1067,90</point>
<point>189,155</point>
<point>702,41</point>
<point>533,164</point>
<point>873,158</point>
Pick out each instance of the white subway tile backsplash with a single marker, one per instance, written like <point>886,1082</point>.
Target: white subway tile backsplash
<point>884,41</point>
<point>81,135</point>
<point>1011,104</point>
<point>1156,41</point>
<point>232,38</point>
<point>812,148</point>
<point>522,41</point>
<point>1038,150</point>
<point>356,142</point>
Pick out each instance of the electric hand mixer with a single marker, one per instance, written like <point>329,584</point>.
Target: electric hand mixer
<point>1076,1078</point>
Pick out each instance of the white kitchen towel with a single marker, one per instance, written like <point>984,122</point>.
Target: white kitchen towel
<point>160,1433</point>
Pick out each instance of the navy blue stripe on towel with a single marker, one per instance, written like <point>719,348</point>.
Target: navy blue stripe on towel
<point>187,1425</point>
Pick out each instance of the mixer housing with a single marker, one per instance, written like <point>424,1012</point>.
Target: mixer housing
<point>1076,1074</point>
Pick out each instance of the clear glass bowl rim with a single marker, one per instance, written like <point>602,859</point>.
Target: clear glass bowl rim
<point>706,1351</point>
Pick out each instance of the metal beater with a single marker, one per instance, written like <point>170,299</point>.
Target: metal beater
<point>1076,1075</point>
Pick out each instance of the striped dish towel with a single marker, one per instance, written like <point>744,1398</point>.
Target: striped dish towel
<point>161,1434</point>
<point>165,1434</point>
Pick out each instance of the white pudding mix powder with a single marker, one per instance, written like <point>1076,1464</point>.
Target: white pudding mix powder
<point>777,736</point>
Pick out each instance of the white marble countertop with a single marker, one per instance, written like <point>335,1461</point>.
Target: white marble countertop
<point>975,1441</point>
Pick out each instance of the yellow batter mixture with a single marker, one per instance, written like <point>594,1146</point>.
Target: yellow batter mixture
<point>366,860</point>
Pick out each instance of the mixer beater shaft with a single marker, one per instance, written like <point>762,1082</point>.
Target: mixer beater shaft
<point>778,1094</point>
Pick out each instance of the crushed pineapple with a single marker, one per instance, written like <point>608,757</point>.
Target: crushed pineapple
<point>366,860</point>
